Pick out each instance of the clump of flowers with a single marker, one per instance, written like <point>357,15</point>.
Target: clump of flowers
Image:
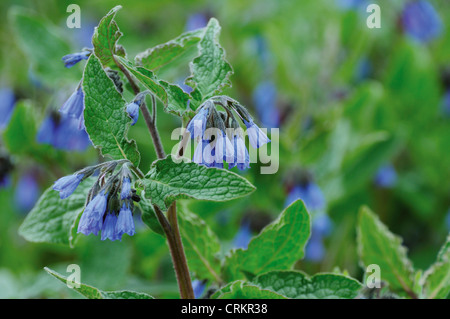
<point>110,202</point>
<point>219,135</point>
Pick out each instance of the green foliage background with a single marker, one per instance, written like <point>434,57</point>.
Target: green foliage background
<point>315,47</point>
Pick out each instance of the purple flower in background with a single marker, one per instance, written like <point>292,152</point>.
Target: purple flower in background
<point>386,176</point>
<point>243,236</point>
<point>352,4</point>
<point>196,21</point>
<point>445,104</point>
<point>71,59</point>
<point>420,21</point>
<point>7,101</point>
<point>265,101</point>
<point>310,193</point>
<point>62,132</point>
<point>199,287</point>
<point>315,250</point>
<point>27,192</point>
<point>66,185</point>
<point>322,224</point>
<point>363,69</point>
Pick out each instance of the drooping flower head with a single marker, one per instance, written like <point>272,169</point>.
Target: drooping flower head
<point>74,106</point>
<point>218,134</point>
<point>420,21</point>
<point>71,59</point>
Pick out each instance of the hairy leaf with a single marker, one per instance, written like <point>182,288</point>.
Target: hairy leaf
<point>105,117</point>
<point>169,180</point>
<point>277,247</point>
<point>244,290</point>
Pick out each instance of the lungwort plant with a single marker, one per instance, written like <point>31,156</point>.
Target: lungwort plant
<point>105,199</point>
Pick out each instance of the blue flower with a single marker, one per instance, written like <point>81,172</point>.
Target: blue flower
<point>66,185</point>
<point>204,153</point>
<point>256,136</point>
<point>92,218</point>
<point>241,157</point>
<point>315,250</point>
<point>322,224</point>
<point>243,236</point>
<point>109,227</point>
<point>310,194</point>
<point>196,21</point>
<point>199,287</point>
<point>197,125</point>
<point>265,100</point>
<point>71,59</point>
<point>27,192</point>
<point>63,133</point>
<point>125,192</point>
<point>421,21</point>
<point>125,222</point>
<point>386,176</point>
<point>7,101</point>
<point>74,106</point>
<point>133,111</point>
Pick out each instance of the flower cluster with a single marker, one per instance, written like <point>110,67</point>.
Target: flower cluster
<point>110,201</point>
<point>219,136</point>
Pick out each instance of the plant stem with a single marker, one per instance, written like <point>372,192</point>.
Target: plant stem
<point>176,250</point>
<point>170,224</point>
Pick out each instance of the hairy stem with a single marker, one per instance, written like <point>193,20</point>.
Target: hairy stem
<point>172,232</point>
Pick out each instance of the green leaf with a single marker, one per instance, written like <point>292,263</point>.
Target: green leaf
<point>95,293</point>
<point>105,117</point>
<point>277,247</point>
<point>436,280</point>
<point>201,245</point>
<point>210,70</point>
<point>52,219</point>
<point>172,96</point>
<point>19,136</point>
<point>105,38</point>
<point>377,245</point>
<point>170,179</point>
<point>149,216</point>
<point>297,285</point>
<point>43,46</point>
<point>162,54</point>
<point>244,290</point>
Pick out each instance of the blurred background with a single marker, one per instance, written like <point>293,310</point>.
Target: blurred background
<point>364,118</point>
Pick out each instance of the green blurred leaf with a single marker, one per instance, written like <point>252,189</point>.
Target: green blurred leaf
<point>172,96</point>
<point>277,247</point>
<point>201,245</point>
<point>162,54</point>
<point>210,70</point>
<point>168,180</point>
<point>436,280</point>
<point>52,219</point>
<point>95,293</point>
<point>377,245</point>
<point>243,290</point>
<point>105,38</point>
<point>43,46</point>
<point>297,285</point>
<point>149,216</point>
<point>105,117</point>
